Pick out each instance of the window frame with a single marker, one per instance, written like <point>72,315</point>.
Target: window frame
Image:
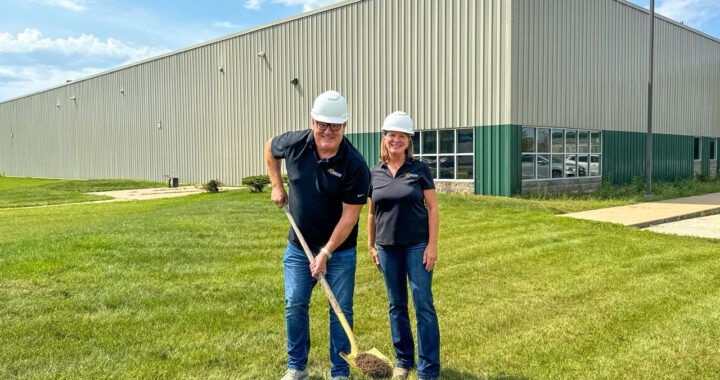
<point>454,154</point>
<point>565,154</point>
<point>713,149</point>
<point>699,150</point>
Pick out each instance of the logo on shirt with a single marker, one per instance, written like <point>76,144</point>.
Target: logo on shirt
<point>411,175</point>
<point>333,172</point>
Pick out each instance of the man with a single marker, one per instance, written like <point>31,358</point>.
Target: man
<point>329,182</point>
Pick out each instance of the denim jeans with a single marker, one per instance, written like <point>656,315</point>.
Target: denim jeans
<point>298,288</point>
<point>399,263</point>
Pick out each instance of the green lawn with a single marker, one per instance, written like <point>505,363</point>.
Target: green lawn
<point>27,192</point>
<point>191,287</point>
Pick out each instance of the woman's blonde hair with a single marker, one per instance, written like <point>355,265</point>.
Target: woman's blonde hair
<point>385,155</point>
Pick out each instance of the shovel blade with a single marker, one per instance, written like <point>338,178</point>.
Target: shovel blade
<point>350,358</point>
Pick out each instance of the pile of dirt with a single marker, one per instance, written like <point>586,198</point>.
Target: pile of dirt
<point>373,366</point>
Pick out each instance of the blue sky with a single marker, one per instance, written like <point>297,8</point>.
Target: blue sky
<point>45,42</point>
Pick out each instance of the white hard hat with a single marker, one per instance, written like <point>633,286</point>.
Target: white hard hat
<point>399,121</point>
<point>330,107</point>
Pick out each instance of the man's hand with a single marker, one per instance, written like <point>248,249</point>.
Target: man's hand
<point>279,196</point>
<point>319,266</point>
<point>430,257</point>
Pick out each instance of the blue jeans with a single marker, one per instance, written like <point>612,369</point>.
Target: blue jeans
<point>298,288</point>
<point>399,263</point>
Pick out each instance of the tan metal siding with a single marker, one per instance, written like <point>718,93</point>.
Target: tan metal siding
<point>442,61</point>
<point>584,64</point>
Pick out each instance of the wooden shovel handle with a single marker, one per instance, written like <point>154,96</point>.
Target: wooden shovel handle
<point>324,284</point>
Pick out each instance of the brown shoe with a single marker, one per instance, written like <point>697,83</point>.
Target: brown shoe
<point>400,373</point>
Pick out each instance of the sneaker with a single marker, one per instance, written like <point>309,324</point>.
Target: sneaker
<point>294,374</point>
<point>400,373</point>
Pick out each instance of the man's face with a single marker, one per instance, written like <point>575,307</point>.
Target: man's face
<point>328,136</point>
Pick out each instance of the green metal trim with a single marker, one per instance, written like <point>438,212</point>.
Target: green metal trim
<point>498,168</point>
<point>368,144</point>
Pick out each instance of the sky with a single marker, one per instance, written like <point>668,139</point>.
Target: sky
<point>43,43</point>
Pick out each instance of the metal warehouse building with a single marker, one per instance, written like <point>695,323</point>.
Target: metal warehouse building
<point>508,95</point>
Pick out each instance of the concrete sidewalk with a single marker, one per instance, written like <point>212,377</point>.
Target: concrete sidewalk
<point>704,227</point>
<point>647,214</point>
<point>154,193</point>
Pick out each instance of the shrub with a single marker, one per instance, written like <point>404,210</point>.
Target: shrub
<point>213,186</point>
<point>256,183</point>
<point>703,178</point>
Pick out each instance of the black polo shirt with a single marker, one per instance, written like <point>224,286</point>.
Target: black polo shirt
<point>318,188</point>
<point>400,213</point>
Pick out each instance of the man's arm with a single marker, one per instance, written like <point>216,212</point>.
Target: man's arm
<point>342,229</point>
<point>278,195</point>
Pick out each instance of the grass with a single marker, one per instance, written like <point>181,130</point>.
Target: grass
<point>28,192</point>
<point>192,287</point>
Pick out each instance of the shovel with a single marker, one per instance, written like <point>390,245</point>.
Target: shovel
<point>354,352</point>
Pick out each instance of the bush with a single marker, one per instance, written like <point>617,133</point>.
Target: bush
<point>213,186</point>
<point>703,178</point>
<point>256,183</point>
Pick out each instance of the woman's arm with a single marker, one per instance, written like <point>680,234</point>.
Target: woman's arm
<point>431,251</point>
<point>372,250</point>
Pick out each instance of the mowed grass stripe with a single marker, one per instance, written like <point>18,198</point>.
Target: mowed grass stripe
<point>192,287</point>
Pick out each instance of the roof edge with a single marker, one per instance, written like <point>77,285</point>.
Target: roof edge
<point>667,19</point>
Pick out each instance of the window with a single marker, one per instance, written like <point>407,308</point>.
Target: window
<point>696,149</point>
<point>713,154</point>
<point>560,153</point>
<point>448,152</point>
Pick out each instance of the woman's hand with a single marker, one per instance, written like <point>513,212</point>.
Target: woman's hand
<point>374,256</point>
<point>319,266</point>
<point>430,257</point>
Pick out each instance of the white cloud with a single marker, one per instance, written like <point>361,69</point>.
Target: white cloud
<point>226,24</point>
<point>32,40</point>
<point>72,5</point>
<point>694,13</point>
<point>308,5</point>
<point>18,81</point>
<point>253,4</point>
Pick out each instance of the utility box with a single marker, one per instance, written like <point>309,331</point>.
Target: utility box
<point>173,182</point>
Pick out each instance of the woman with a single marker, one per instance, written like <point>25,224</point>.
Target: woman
<point>403,227</point>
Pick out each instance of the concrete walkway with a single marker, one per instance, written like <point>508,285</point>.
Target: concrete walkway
<point>154,193</point>
<point>705,227</point>
<point>647,214</point>
<point>136,195</point>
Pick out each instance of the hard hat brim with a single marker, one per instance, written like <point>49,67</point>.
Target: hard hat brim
<point>398,129</point>
<point>327,119</point>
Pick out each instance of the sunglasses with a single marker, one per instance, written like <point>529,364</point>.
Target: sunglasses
<point>323,126</point>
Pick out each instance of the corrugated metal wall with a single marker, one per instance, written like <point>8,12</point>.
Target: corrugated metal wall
<point>446,62</point>
<point>498,169</point>
<point>624,156</point>
<point>584,64</point>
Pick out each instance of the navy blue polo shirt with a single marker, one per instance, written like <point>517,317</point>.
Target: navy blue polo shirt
<point>318,188</point>
<point>400,213</point>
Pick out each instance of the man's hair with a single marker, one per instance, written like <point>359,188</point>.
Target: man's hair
<point>385,155</point>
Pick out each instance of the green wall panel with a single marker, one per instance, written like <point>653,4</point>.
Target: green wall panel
<point>368,144</point>
<point>624,156</point>
<point>705,155</point>
<point>497,160</point>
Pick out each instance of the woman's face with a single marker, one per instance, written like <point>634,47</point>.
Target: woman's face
<point>396,142</point>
